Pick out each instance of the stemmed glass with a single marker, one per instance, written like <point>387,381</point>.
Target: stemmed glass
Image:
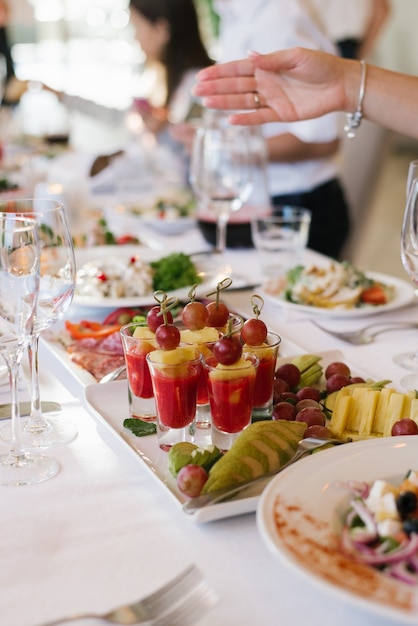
<point>221,170</point>
<point>19,285</point>
<point>409,256</point>
<point>56,290</point>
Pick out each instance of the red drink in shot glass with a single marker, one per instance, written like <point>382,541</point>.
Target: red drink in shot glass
<point>263,387</point>
<point>137,342</point>
<point>204,340</point>
<point>231,389</point>
<point>174,375</point>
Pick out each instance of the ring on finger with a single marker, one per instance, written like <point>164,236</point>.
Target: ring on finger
<point>256,99</point>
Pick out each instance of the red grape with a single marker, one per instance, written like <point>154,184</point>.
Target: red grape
<point>227,350</point>
<point>405,426</point>
<point>290,373</point>
<point>321,432</point>
<point>311,416</point>
<point>195,315</point>
<point>218,314</point>
<point>167,336</point>
<point>309,392</point>
<point>336,382</point>
<point>288,396</point>
<point>154,320</point>
<point>356,379</point>
<point>337,367</point>
<point>284,411</point>
<point>190,480</point>
<point>254,332</point>
<point>302,404</point>
<point>279,387</point>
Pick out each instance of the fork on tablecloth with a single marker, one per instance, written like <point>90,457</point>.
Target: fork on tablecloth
<point>178,603</point>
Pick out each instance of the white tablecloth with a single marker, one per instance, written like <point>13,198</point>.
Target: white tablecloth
<point>104,532</point>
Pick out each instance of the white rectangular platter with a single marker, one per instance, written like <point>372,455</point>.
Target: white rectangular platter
<point>109,404</point>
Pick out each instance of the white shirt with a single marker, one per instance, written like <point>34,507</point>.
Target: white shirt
<point>265,26</point>
<point>342,19</point>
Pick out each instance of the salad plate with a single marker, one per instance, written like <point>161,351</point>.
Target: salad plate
<point>404,293</point>
<point>300,515</point>
<point>121,254</point>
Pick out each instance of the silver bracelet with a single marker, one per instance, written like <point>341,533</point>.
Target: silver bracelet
<point>354,119</point>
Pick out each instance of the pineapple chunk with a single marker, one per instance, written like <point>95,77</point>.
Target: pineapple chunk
<point>264,351</point>
<point>180,355</point>
<point>242,367</point>
<point>143,332</point>
<point>204,335</point>
<point>413,413</point>
<point>395,411</point>
<point>380,414</point>
<point>368,400</point>
<point>342,407</point>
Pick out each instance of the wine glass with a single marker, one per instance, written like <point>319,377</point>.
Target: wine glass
<point>56,290</point>
<point>19,285</point>
<point>221,171</point>
<point>409,255</point>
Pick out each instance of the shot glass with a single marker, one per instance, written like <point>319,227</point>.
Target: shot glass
<point>281,238</point>
<point>231,390</point>
<point>204,341</point>
<point>140,391</point>
<point>175,391</point>
<point>264,381</point>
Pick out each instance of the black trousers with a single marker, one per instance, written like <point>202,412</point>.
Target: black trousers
<point>330,225</point>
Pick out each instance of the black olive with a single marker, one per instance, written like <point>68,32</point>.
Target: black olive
<point>406,503</point>
<point>410,525</point>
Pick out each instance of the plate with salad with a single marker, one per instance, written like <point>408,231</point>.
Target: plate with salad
<point>337,290</point>
<point>117,276</point>
<point>304,515</point>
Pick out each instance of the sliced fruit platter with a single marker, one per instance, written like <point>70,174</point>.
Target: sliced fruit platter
<point>310,400</point>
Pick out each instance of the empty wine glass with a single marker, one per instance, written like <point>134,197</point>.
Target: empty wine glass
<point>221,171</point>
<point>19,285</point>
<point>409,255</point>
<point>56,290</point>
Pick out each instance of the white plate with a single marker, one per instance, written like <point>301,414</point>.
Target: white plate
<point>404,294</point>
<point>109,403</point>
<point>98,253</point>
<point>299,518</point>
<point>171,227</point>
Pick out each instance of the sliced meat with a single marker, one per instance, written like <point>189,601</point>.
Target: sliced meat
<point>96,362</point>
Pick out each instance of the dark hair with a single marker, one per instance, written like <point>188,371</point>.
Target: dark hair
<point>185,49</point>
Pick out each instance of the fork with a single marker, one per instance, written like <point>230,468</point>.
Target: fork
<point>361,336</point>
<point>176,603</point>
<point>305,446</point>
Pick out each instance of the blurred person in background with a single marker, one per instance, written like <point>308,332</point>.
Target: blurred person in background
<point>169,35</point>
<point>302,168</point>
<point>353,25</point>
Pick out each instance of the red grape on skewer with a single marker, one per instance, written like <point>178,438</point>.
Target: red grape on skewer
<point>195,315</point>
<point>167,335</point>
<point>218,312</point>
<point>254,330</point>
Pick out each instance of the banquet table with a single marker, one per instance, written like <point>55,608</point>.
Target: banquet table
<point>104,532</point>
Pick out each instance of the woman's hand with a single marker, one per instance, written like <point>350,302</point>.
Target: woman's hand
<point>288,85</point>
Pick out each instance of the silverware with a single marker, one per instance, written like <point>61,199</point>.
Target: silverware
<point>113,375</point>
<point>24,408</point>
<point>178,603</point>
<point>305,446</point>
<point>362,336</point>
